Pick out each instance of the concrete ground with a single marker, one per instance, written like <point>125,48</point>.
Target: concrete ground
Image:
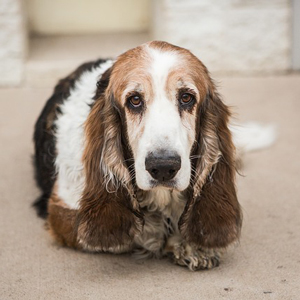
<point>265,265</point>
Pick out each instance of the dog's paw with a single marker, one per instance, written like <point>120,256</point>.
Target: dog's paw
<point>195,259</point>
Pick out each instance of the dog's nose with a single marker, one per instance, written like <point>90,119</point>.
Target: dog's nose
<point>163,167</point>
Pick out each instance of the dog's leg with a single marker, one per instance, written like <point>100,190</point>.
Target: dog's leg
<point>61,222</point>
<point>63,227</point>
<point>194,258</point>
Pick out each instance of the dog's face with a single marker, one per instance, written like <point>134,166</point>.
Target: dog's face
<point>158,93</point>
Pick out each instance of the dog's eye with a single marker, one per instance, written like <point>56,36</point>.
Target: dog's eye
<point>186,98</point>
<point>135,101</point>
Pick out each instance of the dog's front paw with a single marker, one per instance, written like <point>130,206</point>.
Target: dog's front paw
<point>195,259</point>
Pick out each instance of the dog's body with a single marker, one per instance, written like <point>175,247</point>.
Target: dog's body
<point>136,155</point>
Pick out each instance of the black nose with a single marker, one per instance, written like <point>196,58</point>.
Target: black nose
<point>163,167</point>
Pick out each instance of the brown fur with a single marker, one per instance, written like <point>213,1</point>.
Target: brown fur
<point>106,220</point>
<point>212,217</point>
<point>61,221</point>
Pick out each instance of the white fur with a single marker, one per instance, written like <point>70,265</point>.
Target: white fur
<point>164,128</point>
<point>70,135</point>
<point>163,200</point>
<point>252,136</point>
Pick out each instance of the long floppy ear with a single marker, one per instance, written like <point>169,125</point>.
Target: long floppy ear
<point>108,215</point>
<point>212,217</point>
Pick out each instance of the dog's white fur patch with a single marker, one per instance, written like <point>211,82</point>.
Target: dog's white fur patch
<point>164,128</point>
<point>70,135</point>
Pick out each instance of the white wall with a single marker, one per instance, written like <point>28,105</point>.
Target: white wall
<point>87,16</point>
<point>229,36</point>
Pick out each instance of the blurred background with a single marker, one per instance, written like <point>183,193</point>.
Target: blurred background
<point>231,37</point>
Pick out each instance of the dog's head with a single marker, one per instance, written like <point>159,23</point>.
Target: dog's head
<point>158,122</point>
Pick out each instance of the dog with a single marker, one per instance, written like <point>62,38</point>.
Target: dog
<point>136,155</point>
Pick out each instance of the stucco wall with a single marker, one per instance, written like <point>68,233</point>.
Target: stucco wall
<point>229,36</point>
<point>13,42</point>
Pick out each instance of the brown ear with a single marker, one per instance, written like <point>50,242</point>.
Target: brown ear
<point>108,216</point>
<point>212,216</point>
